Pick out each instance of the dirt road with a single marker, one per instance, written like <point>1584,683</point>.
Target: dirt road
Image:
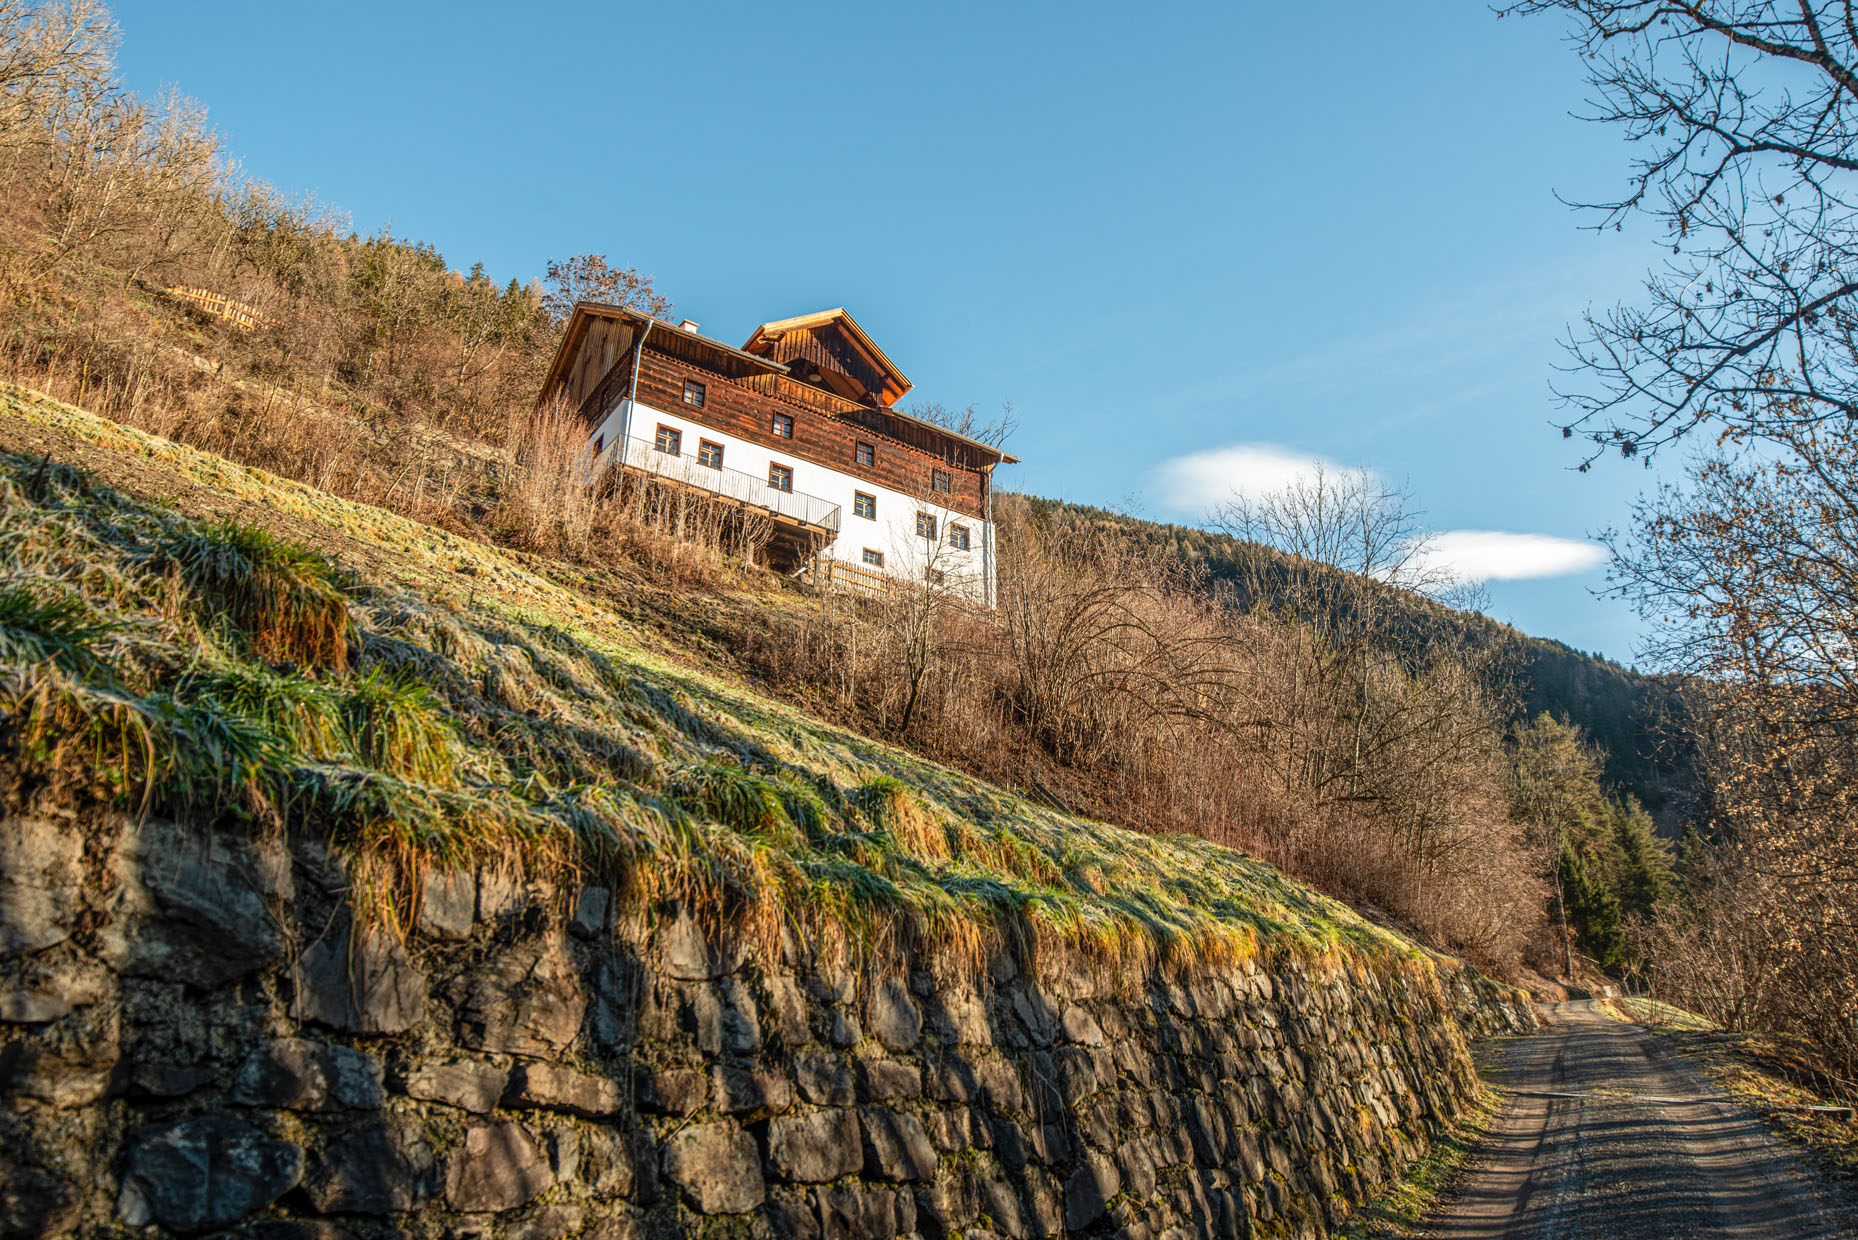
<point>1607,1134</point>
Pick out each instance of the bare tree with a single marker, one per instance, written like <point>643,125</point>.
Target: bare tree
<point>994,432</point>
<point>1328,551</point>
<point>1744,114</point>
<point>590,277</point>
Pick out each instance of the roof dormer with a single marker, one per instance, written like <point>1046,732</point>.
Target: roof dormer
<point>830,351</point>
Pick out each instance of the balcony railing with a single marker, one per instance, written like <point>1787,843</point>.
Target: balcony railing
<point>808,510</point>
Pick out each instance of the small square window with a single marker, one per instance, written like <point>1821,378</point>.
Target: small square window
<point>669,440</point>
<point>710,454</point>
<point>864,454</point>
<point>925,525</point>
<point>783,426</point>
<point>874,558</point>
<point>938,480</point>
<point>958,537</point>
<point>864,505</point>
<point>781,477</point>
<point>599,443</point>
<point>694,393</point>
<point>935,576</point>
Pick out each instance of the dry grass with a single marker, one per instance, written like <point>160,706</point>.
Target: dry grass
<point>664,781</point>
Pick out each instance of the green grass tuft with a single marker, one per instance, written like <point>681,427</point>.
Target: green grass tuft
<point>39,625</point>
<point>281,596</point>
<point>395,726</point>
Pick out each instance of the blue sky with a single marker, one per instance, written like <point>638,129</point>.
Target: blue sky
<point>1189,243</point>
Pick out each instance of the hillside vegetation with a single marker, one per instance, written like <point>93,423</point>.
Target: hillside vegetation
<point>172,657</point>
<point>1116,682</point>
<point>1626,715</point>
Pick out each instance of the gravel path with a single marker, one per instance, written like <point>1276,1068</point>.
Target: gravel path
<point>1608,1134</point>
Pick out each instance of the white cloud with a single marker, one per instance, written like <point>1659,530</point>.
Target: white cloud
<point>1200,481</point>
<point>1492,555</point>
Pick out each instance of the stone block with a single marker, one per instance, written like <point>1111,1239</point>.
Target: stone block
<point>608,1162</point>
<point>550,1222</point>
<point>468,1084</point>
<point>526,1001</point>
<point>555,1088</point>
<point>725,1018</point>
<point>863,1214</point>
<point>447,904</point>
<point>41,883</point>
<point>379,1169</point>
<point>886,1080</point>
<point>188,908</point>
<point>893,1016</point>
<point>961,1018</point>
<point>787,1005</point>
<point>204,1173</point>
<point>824,1079</point>
<point>1087,1193</point>
<point>499,1166</point>
<point>750,1095</point>
<point>717,1166</point>
<point>1000,1205</point>
<point>896,1147</point>
<point>1036,1015</point>
<point>28,1006</point>
<point>591,909</point>
<point>674,1091</point>
<point>816,1147</point>
<point>301,1075</point>
<point>365,987</point>
<point>1081,1027</point>
<point>160,1080</point>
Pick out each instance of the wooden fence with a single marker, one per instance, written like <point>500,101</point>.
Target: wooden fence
<point>237,312</point>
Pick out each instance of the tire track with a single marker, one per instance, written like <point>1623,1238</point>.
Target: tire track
<point>1605,1134</point>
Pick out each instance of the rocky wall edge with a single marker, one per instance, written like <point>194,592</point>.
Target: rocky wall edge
<point>198,1037</point>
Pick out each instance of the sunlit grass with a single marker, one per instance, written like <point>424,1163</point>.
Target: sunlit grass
<point>515,724</point>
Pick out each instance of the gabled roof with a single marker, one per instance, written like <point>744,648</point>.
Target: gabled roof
<point>736,363</point>
<point>895,382</point>
<point>729,358</point>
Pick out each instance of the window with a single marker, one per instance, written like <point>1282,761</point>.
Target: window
<point>781,477</point>
<point>864,505</point>
<point>694,393</point>
<point>874,558</point>
<point>925,525</point>
<point>710,454</point>
<point>935,576</point>
<point>670,440</point>
<point>864,454</point>
<point>599,443</point>
<point>783,426</point>
<point>938,480</point>
<point>958,537</point>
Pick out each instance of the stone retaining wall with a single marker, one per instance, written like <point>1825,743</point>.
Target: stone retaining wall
<point>195,1040</point>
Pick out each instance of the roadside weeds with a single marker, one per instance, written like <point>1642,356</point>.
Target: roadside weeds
<point>1396,1212</point>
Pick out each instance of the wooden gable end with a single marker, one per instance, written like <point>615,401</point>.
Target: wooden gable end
<point>830,351</point>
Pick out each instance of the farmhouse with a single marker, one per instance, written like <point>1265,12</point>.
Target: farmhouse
<point>799,424</point>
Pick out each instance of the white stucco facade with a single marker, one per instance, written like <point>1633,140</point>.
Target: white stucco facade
<point>890,533</point>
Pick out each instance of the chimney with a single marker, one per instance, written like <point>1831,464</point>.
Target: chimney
<point>689,325</point>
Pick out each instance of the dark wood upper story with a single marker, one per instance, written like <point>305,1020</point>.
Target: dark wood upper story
<point>820,370</point>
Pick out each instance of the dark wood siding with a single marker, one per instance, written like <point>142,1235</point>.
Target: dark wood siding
<point>826,438</point>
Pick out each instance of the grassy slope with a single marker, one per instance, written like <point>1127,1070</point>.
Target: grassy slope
<point>491,712</point>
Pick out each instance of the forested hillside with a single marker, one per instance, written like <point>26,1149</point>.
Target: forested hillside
<point>1627,715</point>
